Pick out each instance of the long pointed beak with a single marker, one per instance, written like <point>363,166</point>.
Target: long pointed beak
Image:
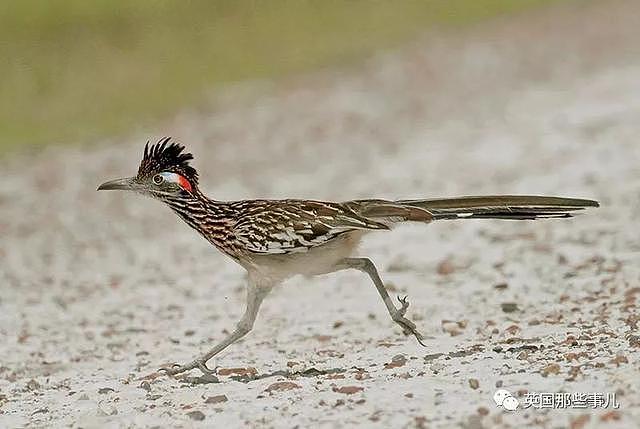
<point>126,184</point>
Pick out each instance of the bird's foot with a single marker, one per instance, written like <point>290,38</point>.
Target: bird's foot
<point>200,364</point>
<point>408,327</point>
<point>404,303</point>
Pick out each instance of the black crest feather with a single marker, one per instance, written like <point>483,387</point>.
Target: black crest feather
<point>167,156</point>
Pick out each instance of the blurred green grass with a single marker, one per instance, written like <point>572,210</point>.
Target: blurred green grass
<point>76,70</point>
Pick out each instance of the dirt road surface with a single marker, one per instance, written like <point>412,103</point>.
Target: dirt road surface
<point>97,290</point>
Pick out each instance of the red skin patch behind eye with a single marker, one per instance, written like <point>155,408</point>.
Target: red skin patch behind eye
<point>184,183</point>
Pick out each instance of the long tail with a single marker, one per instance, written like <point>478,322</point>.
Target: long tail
<point>501,207</point>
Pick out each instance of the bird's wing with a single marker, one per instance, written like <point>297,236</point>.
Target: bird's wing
<point>293,226</point>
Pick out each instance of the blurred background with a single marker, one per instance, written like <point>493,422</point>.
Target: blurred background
<point>74,71</point>
<point>326,100</point>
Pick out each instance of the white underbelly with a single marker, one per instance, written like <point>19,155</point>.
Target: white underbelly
<point>317,260</point>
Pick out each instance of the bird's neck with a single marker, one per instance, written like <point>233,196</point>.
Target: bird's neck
<point>212,219</point>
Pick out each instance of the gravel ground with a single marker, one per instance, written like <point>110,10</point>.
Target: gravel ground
<point>100,289</point>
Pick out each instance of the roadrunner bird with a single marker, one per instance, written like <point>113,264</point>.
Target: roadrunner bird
<point>277,239</point>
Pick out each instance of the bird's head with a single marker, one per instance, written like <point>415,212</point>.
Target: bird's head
<point>164,172</point>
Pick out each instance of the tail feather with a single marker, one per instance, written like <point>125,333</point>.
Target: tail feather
<point>516,207</point>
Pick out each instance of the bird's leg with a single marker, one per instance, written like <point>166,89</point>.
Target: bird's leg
<point>255,296</point>
<point>397,314</point>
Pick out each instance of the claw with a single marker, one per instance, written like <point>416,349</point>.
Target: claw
<point>419,338</point>
<point>400,312</point>
<point>403,300</point>
<point>202,366</point>
<point>168,371</point>
<point>408,327</point>
<point>175,368</point>
<point>169,368</point>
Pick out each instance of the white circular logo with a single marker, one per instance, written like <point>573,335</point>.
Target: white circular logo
<point>503,398</point>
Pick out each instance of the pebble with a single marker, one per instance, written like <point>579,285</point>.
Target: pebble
<point>216,399</point>
<point>348,390</point>
<point>509,307</point>
<point>282,385</point>
<point>196,415</point>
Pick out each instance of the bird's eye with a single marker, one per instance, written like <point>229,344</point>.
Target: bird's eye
<point>158,179</point>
